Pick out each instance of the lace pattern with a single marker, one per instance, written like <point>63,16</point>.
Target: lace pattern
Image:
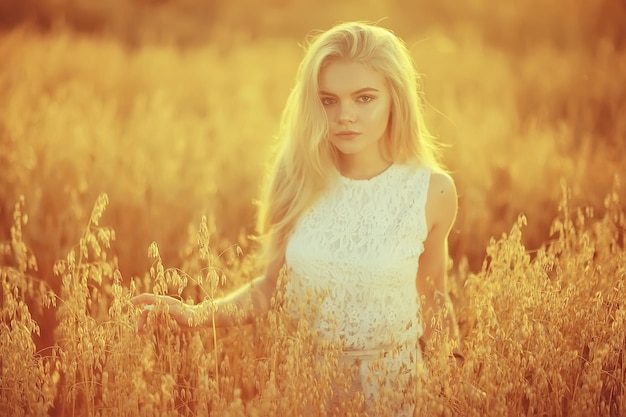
<point>361,242</point>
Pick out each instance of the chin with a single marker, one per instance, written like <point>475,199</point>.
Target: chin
<point>348,150</point>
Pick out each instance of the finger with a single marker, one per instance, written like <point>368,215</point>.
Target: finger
<point>141,322</point>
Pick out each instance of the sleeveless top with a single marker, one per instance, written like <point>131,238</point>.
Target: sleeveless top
<point>360,244</point>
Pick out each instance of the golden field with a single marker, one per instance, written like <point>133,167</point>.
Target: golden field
<point>134,139</point>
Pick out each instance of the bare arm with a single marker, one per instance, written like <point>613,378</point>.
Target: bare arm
<point>431,281</point>
<point>239,307</point>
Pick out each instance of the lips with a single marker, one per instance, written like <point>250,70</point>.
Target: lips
<point>347,134</point>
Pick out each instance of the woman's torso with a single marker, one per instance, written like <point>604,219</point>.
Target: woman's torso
<point>361,242</point>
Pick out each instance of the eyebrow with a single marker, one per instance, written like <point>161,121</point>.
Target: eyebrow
<point>360,91</point>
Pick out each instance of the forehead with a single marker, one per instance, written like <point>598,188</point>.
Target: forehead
<point>344,76</point>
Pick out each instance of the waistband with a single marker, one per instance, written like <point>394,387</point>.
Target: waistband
<point>381,352</point>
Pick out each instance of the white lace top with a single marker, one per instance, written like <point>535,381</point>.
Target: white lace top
<point>361,241</point>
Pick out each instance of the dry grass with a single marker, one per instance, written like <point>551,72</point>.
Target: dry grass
<point>544,336</point>
<point>167,134</point>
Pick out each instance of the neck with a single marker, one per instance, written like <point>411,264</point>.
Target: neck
<point>362,167</point>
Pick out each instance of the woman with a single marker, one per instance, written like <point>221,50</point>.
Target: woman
<point>357,205</point>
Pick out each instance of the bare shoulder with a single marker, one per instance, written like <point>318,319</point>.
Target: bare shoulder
<point>442,201</point>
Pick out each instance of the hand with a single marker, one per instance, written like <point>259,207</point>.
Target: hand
<point>177,310</point>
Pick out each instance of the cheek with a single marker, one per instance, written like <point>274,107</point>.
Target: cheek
<point>330,114</point>
<point>379,115</point>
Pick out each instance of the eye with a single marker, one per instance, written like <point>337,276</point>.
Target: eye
<point>365,99</point>
<point>327,101</point>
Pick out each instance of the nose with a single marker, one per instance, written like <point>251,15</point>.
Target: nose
<point>347,113</point>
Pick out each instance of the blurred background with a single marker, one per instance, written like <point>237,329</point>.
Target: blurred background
<point>171,107</point>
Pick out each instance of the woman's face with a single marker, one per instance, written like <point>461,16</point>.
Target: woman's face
<point>357,104</point>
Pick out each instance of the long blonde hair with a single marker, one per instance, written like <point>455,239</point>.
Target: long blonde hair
<point>304,166</point>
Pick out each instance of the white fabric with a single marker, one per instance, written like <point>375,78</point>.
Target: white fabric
<point>361,241</point>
